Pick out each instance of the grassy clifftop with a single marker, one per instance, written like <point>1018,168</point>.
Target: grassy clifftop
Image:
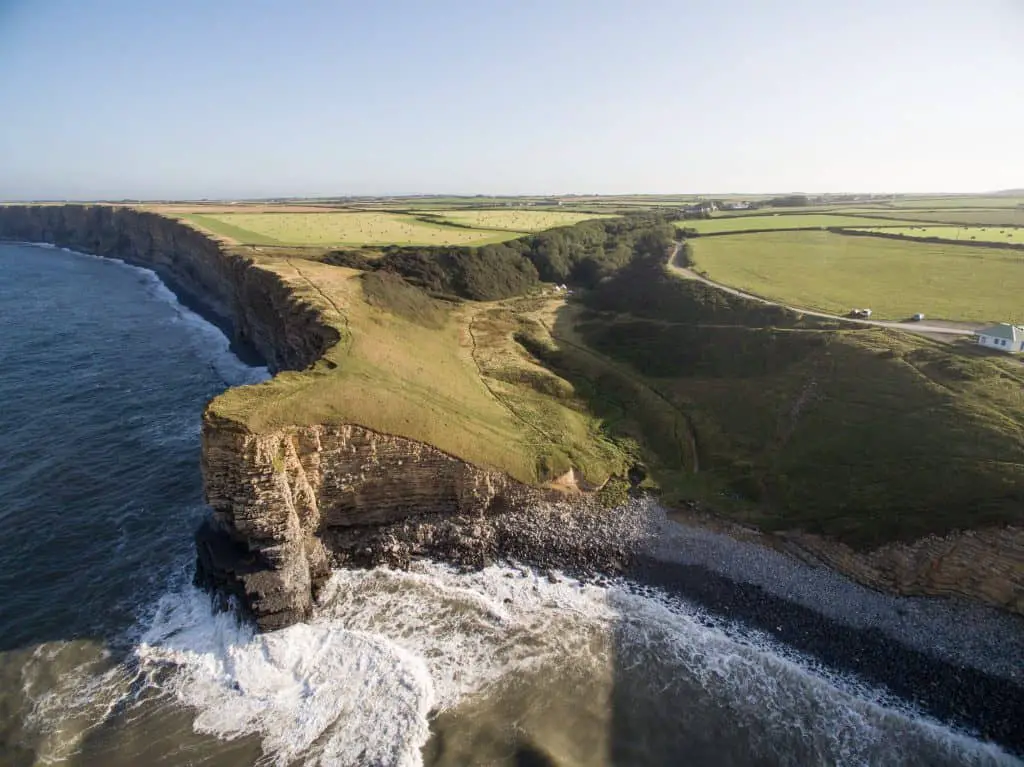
<point>450,375</point>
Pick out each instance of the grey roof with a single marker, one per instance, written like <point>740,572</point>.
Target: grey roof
<point>1004,330</point>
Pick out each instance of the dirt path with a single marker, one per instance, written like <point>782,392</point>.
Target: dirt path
<point>348,340</point>
<point>482,374</point>
<point>916,327</point>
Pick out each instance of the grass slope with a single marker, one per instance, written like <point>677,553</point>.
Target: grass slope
<point>448,375</point>
<point>340,229</point>
<point>833,272</point>
<point>866,436</point>
<point>781,221</point>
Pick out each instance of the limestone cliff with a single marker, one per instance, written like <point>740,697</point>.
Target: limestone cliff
<point>290,502</point>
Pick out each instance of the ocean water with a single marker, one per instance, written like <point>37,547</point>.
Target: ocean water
<point>108,655</point>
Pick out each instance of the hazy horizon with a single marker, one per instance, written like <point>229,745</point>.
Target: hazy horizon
<point>247,101</point>
<point>498,195</point>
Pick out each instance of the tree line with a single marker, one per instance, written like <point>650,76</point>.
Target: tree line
<point>581,255</point>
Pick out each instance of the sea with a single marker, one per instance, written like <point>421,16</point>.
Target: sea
<point>109,656</point>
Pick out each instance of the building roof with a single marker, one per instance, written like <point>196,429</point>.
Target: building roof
<point>1004,330</point>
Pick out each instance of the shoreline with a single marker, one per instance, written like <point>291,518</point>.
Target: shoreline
<point>936,665</point>
<point>246,352</point>
<point>252,306</point>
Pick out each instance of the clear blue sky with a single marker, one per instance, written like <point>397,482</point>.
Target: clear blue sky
<point>226,98</point>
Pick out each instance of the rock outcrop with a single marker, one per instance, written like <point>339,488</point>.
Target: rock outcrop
<point>984,565</point>
<point>289,503</point>
<point>279,494</point>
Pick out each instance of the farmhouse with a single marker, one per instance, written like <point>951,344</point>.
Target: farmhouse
<point>1004,337</point>
<point>703,208</point>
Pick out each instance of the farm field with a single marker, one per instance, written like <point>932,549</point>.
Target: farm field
<point>962,216</point>
<point>514,220</point>
<point>834,272</point>
<point>784,221</point>
<point>958,202</point>
<point>332,229</point>
<point>1011,235</point>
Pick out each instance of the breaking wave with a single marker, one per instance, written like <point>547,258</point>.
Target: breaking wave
<point>387,649</point>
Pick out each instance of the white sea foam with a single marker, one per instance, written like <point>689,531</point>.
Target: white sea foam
<point>356,685</point>
<point>320,692</point>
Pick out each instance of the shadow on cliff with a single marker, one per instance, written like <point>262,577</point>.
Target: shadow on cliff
<point>629,408</point>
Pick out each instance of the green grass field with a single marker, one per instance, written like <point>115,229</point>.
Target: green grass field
<point>865,436</point>
<point>968,201</point>
<point>965,234</point>
<point>337,229</point>
<point>782,221</point>
<point>514,220</point>
<point>834,272</point>
<point>962,216</point>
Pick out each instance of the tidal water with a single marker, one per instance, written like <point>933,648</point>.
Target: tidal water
<point>108,656</point>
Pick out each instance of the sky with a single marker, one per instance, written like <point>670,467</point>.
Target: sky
<point>191,99</point>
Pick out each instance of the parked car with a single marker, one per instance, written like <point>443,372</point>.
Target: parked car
<point>918,317</point>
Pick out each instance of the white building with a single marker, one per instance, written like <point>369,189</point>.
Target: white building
<point>1004,337</point>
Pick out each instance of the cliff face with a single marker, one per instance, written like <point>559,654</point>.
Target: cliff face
<point>253,302</point>
<point>282,494</point>
<point>289,503</point>
<point>983,565</point>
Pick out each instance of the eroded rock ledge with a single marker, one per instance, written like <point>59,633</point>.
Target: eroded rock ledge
<point>291,503</point>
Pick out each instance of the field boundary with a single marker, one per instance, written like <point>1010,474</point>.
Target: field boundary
<point>938,240</point>
<point>734,232</point>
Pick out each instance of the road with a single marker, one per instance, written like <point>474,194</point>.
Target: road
<point>912,327</point>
